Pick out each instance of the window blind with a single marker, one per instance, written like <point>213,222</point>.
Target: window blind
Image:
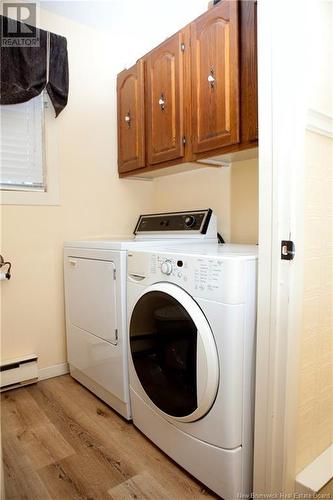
<point>22,145</point>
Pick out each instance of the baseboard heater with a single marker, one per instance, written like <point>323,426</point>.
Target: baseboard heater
<point>18,372</point>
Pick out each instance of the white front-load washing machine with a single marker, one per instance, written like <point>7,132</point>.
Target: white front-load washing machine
<point>192,318</point>
<point>95,298</point>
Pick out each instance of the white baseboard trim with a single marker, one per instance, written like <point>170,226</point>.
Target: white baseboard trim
<point>315,475</point>
<point>53,371</point>
<point>319,123</point>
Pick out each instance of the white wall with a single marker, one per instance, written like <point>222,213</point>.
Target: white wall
<point>320,55</point>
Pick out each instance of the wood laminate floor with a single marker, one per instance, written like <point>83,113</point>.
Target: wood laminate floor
<point>61,442</point>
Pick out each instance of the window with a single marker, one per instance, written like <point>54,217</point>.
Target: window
<point>22,146</point>
<point>29,166</point>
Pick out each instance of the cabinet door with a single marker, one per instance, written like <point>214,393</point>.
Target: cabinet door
<point>165,101</point>
<point>248,72</point>
<point>131,129</point>
<point>215,70</point>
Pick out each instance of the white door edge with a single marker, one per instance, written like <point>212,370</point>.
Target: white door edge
<point>282,118</point>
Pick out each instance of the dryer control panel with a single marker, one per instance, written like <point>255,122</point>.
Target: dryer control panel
<point>196,221</point>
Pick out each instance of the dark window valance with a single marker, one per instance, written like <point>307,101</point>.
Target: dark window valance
<point>26,70</point>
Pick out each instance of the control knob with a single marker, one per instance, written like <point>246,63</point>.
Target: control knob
<point>190,221</point>
<point>166,267</point>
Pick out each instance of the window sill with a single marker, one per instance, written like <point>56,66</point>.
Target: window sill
<point>50,197</point>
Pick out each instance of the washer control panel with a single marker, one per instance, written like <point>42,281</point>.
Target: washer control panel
<point>198,275</point>
<point>208,274</point>
<point>208,277</point>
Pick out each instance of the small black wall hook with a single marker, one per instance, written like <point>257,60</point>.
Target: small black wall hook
<point>8,264</point>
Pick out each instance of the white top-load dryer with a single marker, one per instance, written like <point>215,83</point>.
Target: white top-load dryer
<point>192,317</point>
<point>95,297</point>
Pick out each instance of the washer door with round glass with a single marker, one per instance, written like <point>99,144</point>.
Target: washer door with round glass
<point>174,352</point>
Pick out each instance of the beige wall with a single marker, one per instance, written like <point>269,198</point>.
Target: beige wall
<point>232,192</point>
<point>244,202</point>
<point>202,188</point>
<point>93,200</point>
<point>315,412</point>
<point>315,403</point>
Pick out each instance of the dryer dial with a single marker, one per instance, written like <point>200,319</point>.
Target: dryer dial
<point>190,221</point>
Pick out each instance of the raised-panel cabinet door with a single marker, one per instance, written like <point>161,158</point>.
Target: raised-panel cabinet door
<point>131,118</point>
<point>215,75</point>
<point>164,99</point>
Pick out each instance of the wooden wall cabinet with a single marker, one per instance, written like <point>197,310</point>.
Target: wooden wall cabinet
<point>164,101</point>
<point>131,119</point>
<point>215,80</point>
<point>194,96</point>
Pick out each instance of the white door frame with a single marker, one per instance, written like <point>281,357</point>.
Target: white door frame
<point>282,117</point>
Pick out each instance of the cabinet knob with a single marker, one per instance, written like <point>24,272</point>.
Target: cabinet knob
<point>128,119</point>
<point>161,102</point>
<point>211,78</point>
